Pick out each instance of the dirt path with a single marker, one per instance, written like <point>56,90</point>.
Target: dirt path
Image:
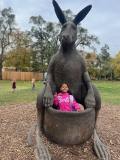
<point>15,121</point>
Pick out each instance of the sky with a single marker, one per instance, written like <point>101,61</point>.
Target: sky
<point>103,20</point>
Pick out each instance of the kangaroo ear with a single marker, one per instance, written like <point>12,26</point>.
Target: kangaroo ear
<point>82,14</point>
<point>59,12</point>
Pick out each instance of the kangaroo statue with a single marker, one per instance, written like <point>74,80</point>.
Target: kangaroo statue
<point>68,66</point>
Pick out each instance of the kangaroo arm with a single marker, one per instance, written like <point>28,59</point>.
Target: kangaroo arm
<point>49,86</point>
<point>90,98</point>
<point>87,81</point>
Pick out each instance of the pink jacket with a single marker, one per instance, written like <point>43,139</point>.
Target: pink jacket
<point>65,102</point>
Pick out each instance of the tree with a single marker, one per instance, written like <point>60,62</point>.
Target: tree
<point>7,19</point>
<point>20,54</point>
<point>45,39</point>
<point>21,39</point>
<point>105,55</point>
<point>104,63</point>
<point>19,58</point>
<point>39,38</point>
<point>35,64</point>
<point>116,65</point>
<point>85,39</point>
<point>52,31</point>
<point>91,59</point>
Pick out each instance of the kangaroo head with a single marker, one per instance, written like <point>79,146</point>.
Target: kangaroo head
<point>68,33</point>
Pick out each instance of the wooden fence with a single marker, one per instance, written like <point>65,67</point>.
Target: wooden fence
<point>9,75</point>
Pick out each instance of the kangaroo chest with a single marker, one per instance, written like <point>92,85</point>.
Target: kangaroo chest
<point>68,70</point>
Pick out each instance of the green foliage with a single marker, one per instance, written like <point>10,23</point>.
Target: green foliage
<point>21,39</point>
<point>116,66</point>
<point>85,39</point>
<point>18,58</point>
<point>105,55</point>
<point>45,35</point>
<point>91,64</point>
<point>20,54</point>
<point>104,63</point>
<point>7,19</point>
<point>35,64</point>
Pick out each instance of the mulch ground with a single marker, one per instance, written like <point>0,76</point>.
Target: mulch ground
<point>16,120</point>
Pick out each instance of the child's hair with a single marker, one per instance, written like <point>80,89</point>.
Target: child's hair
<point>58,89</point>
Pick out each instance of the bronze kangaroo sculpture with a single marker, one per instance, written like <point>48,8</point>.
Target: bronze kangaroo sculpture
<point>68,66</point>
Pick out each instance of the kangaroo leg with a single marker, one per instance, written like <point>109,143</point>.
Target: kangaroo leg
<point>40,119</point>
<point>41,151</point>
<point>100,148</point>
<point>97,101</point>
<point>40,110</point>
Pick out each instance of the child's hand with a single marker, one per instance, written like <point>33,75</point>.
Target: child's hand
<point>81,108</point>
<point>55,95</point>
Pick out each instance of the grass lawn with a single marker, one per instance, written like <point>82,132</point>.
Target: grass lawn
<point>23,93</point>
<point>110,92</point>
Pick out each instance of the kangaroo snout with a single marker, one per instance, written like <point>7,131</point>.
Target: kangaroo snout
<point>65,37</point>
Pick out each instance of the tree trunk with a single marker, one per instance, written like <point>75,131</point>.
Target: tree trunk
<point>0,71</point>
<point>1,62</point>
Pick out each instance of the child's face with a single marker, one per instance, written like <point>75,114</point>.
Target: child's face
<point>64,88</point>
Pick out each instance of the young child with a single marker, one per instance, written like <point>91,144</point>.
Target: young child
<point>13,85</point>
<point>33,83</point>
<point>66,102</point>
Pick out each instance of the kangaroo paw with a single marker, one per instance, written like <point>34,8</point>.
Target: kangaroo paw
<point>100,149</point>
<point>41,151</point>
<point>30,136</point>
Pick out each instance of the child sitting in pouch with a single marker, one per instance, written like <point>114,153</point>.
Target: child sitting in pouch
<point>65,101</point>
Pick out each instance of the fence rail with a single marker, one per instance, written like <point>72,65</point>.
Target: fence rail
<point>9,75</point>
